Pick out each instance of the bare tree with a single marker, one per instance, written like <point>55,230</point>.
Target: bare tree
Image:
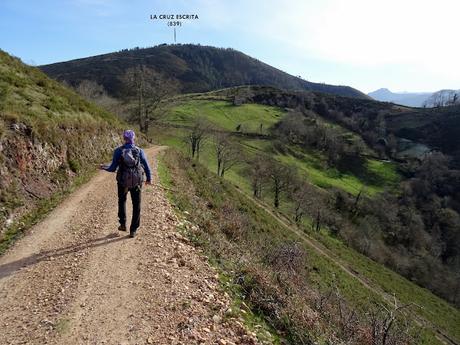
<point>258,172</point>
<point>302,196</point>
<point>226,153</point>
<point>150,89</point>
<point>443,98</point>
<point>96,93</point>
<point>289,257</point>
<point>388,325</point>
<point>90,90</point>
<point>196,137</point>
<point>242,95</point>
<point>281,177</point>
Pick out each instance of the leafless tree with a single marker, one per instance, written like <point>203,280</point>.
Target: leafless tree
<point>258,172</point>
<point>289,257</point>
<point>94,92</point>
<point>388,326</point>
<point>302,196</point>
<point>333,145</point>
<point>281,177</point>
<point>90,90</point>
<point>443,98</point>
<point>196,137</point>
<point>241,95</point>
<point>150,89</point>
<point>226,153</point>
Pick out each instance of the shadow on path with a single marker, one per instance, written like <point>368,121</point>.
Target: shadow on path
<point>11,267</point>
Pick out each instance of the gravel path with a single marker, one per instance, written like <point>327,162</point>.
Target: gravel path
<point>74,279</point>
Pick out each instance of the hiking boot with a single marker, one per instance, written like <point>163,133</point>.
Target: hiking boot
<point>132,234</point>
<point>122,227</point>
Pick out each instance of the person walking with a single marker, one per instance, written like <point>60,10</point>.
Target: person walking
<point>132,164</point>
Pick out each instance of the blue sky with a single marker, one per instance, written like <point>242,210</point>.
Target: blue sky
<point>407,45</point>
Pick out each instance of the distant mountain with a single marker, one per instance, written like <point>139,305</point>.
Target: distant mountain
<point>411,99</point>
<point>197,69</point>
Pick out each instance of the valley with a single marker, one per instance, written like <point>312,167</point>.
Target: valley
<point>318,215</point>
<point>371,278</point>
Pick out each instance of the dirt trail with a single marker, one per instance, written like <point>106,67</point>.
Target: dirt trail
<point>74,279</point>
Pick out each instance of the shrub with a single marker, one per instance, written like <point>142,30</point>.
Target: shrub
<point>288,257</point>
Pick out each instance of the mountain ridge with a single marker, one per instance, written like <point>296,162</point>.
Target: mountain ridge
<point>416,99</point>
<point>197,68</point>
<point>411,99</point>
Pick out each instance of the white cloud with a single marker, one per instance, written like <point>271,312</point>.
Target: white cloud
<point>421,34</point>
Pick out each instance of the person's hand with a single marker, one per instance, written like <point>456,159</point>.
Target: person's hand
<point>148,183</point>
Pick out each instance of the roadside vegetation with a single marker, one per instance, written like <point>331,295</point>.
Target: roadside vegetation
<point>301,293</point>
<point>344,201</point>
<point>50,142</point>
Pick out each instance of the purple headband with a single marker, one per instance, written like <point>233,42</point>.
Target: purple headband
<point>129,136</point>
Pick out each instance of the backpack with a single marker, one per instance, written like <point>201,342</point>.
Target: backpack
<point>130,171</point>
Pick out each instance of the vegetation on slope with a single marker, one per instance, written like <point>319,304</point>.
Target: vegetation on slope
<point>248,120</point>
<point>376,226</point>
<point>303,294</point>
<point>49,138</point>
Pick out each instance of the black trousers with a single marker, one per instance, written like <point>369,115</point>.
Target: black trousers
<point>136,200</point>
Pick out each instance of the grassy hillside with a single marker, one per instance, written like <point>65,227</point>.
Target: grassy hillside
<point>50,139</point>
<point>258,119</point>
<point>374,178</point>
<point>252,118</point>
<point>197,68</point>
<point>244,241</point>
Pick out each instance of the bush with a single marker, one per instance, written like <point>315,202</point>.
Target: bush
<point>74,165</point>
<point>289,257</point>
<point>234,224</point>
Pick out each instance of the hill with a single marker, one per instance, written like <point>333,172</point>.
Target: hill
<point>196,68</point>
<point>50,139</point>
<point>410,99</point>
<point>344,172</point>
<point>283,270</point>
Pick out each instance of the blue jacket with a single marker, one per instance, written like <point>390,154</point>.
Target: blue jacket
<point>116,160</point>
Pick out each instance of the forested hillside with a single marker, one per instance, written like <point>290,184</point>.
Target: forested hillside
<point>196,68</point>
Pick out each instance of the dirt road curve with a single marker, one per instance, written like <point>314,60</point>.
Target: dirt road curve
<point>74,279</point>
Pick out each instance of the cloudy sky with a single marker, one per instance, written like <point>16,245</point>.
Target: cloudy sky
<point>404,45</point>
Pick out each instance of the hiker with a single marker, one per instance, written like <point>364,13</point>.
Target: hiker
<point>131,163</point>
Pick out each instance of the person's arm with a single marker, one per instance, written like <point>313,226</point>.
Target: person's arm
<point>146,166</point>
<point>115,161</point>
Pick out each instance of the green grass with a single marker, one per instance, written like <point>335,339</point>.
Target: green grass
<point>323,272</point>
<point>385,171</point>
<point>433,308</point>
<point>378,176</point>
<point>51,124</point>
<point>430,307</point>
<point>315,170</point>
<point>253,321</point>
<point>227,116</point>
